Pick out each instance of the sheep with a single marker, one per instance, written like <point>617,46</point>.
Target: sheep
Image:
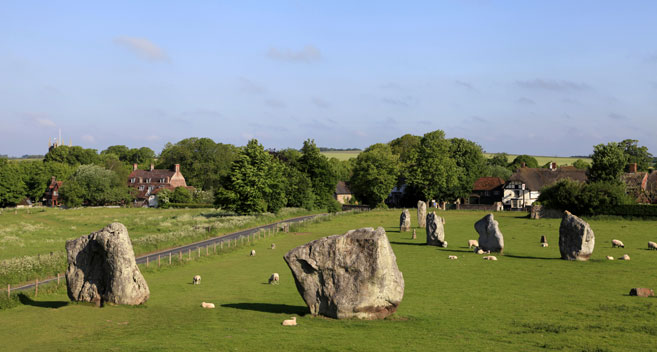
<point>490,257</point>
<point>253,252</point>
<point>544,244</point>
<point>274,278</point>
<point>473,243</point>
<point>197,280</point>
<point>444,245</point>
<point>273,246</point>
<point>610,257</point>
<point>625,257</point>
<point>453,257</point>
<point>290,322</point>
<point>207,305</point>
<point>617,243</point>
<point>478,250</point>
<point>652,245</point>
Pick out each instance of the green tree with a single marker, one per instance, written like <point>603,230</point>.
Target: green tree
<point>636,154</point>
<point>404,146</point>
<point>432,172</point>
<point>73,156</point>
<point>94,185</point>
<point>299,191</point>
<point>204,163</point>
<point>528,160</point>
<point>469,158</point>
<point>12,187</point>
<point>496,171</point>
<point>320,172</point>
<point>375,174</point>
<point>181,195</point>
<point>608,163</point>
<point>255,183</point>
<point>499,159</point>
<point>580,164</point>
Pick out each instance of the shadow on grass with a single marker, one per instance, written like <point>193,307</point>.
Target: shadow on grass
<point>25,300</point>
<point>530,257</point>
<point>408,243</point>
<point>269,308</point>
<point>217,215</point>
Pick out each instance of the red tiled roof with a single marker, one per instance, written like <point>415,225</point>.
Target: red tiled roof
<point>487,183</point>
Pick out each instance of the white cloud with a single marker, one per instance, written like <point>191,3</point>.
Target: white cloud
<point>143,48</point>
<point>88,138</point>
<point>308,54</point>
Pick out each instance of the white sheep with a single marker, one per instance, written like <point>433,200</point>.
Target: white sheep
<point>207,305</point>
<point>544,245</point>
<point>652,245</point>
<point>274,278</point>
<point>478,250</point>
<point>617,243</point>
<point>473,243</point>
<point>453,257</point>
<point>625,257</point>
<point>197,280</point>
<point>490,257</point>
<point>290,322</point>
<point>610,257</point>
<point>253,252</point>
<point>273,246</point>
<point>444,245</point>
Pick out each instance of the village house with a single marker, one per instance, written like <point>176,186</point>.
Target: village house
<point>51,196</point>
<point>149,182</point>
<point>487,190</point>
<point>342,193</point>
<point>524,187</point>
<point>636,184</point>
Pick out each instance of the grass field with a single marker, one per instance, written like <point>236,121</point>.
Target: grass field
<point>29,236</point>
<point>342,155</point>
<point>528,300</point>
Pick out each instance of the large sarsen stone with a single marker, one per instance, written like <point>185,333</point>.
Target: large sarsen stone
<point>576,239</point>
<point>350,275</point>
<point>405,221</point>
<point>435,230</point>
<point>490,236</point>
<point>102,268</point>
<point>421,213</point>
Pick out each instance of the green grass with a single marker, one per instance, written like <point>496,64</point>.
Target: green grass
<point>32,240</point>
<point>342,155</point>
<point>542,160</point>
<point>526,301</point>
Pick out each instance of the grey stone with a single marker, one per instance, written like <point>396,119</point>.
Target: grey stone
<point>576,239</point>
<point>490,236</point>
<point>102,268</point>
<point>435,230</point>
<point>421,214</point>
<point>347,276</point>
<point>405,221</point>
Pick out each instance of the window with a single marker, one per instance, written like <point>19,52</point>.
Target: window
<point>150,188</point>
<point>162,180</point>
<point>148,180</point>
<point>132,180</point>
<point>54,193</point>
<point>141,188</point>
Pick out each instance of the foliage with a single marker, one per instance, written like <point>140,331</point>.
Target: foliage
<point>164,198</point>
<point>333,206</point>
<point>190,205</point>
<point>584,198</point>
<point>636,154</point>
<point>342,169</point>
<point>73,156</point>
<point>181,195</point>
<point>580,164</point>
<point>496,171</point>
<point>375,174</point>
<point>608,163</point>
<point>94,185</point>
<point>203,162</point>
<point>499,159</point>
<point>299,190</point>
<point>131,156</point>
<point>469,158</point>
<point>12,187</point>
<point>256,183</point>
<point>404,146</point>
<point>431,171</point>
<point>319,170</point>
<point>529,161</point>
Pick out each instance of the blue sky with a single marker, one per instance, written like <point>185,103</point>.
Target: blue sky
<point>543,78</point>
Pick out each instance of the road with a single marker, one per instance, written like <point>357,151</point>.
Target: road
<point>193,248</point>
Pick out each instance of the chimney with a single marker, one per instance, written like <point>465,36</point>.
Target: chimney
<point>177,168</point>
<point>152,167</point>
<point>523,165</point>
<point>134,167</point>
<point>633,168</point>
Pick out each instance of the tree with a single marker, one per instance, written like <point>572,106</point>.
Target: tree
<point>299,191</point>
<point>255,183</point>
<point>583,198</point>
<point>636,154</point>
<point>608,163</point>
<point>496,171</point>
<point>73,156</point>
<point>94,185</point>
<point>499,159</point>
<point>528,160</point>
<point>12,187</point>
<point>181,195</point>
<point>432,172</point>
<point>580,164</point>
<point>375,174</point>
<point>404,146</point>
<point>204,163</point>
<point>318,169</point>
<point>469,158</point>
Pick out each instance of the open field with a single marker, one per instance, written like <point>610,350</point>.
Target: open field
<point>542,160</point>
<point>528,300</point>
<point>342,155</point>
<point>28,236</point>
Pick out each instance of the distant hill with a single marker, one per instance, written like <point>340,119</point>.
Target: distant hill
<point>325,149</point>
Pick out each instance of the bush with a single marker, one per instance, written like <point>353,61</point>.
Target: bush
<point>190,205</point>
<point>584,199</point>
<point>333,206</point>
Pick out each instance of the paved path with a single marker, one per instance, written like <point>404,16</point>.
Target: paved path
<point>194,247</point>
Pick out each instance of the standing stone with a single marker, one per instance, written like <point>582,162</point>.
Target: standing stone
<point>414,234</point>
<point>405,221</point>
<point>576,239</point>
<point>435,230</point>
<point>543,239</point>
<point>102,268</point>
<point>490,236</point>
<point>421,214</point>
<point>347,276</point>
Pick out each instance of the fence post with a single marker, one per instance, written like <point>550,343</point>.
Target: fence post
<point>36,288</point>
<point>169,258</point>
<point>221,245</point>
<point>57,279</point>
<point>158,260</point>
<point>8,291</point>
<point>215,247</point>
<point>206,251</point>
<point>180,256</point>
<point>199,251</point>
<point>189,253</point>
<point>147,261</point>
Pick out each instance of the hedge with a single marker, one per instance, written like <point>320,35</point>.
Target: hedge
<point>629,210</point>
<point>190,205</point>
